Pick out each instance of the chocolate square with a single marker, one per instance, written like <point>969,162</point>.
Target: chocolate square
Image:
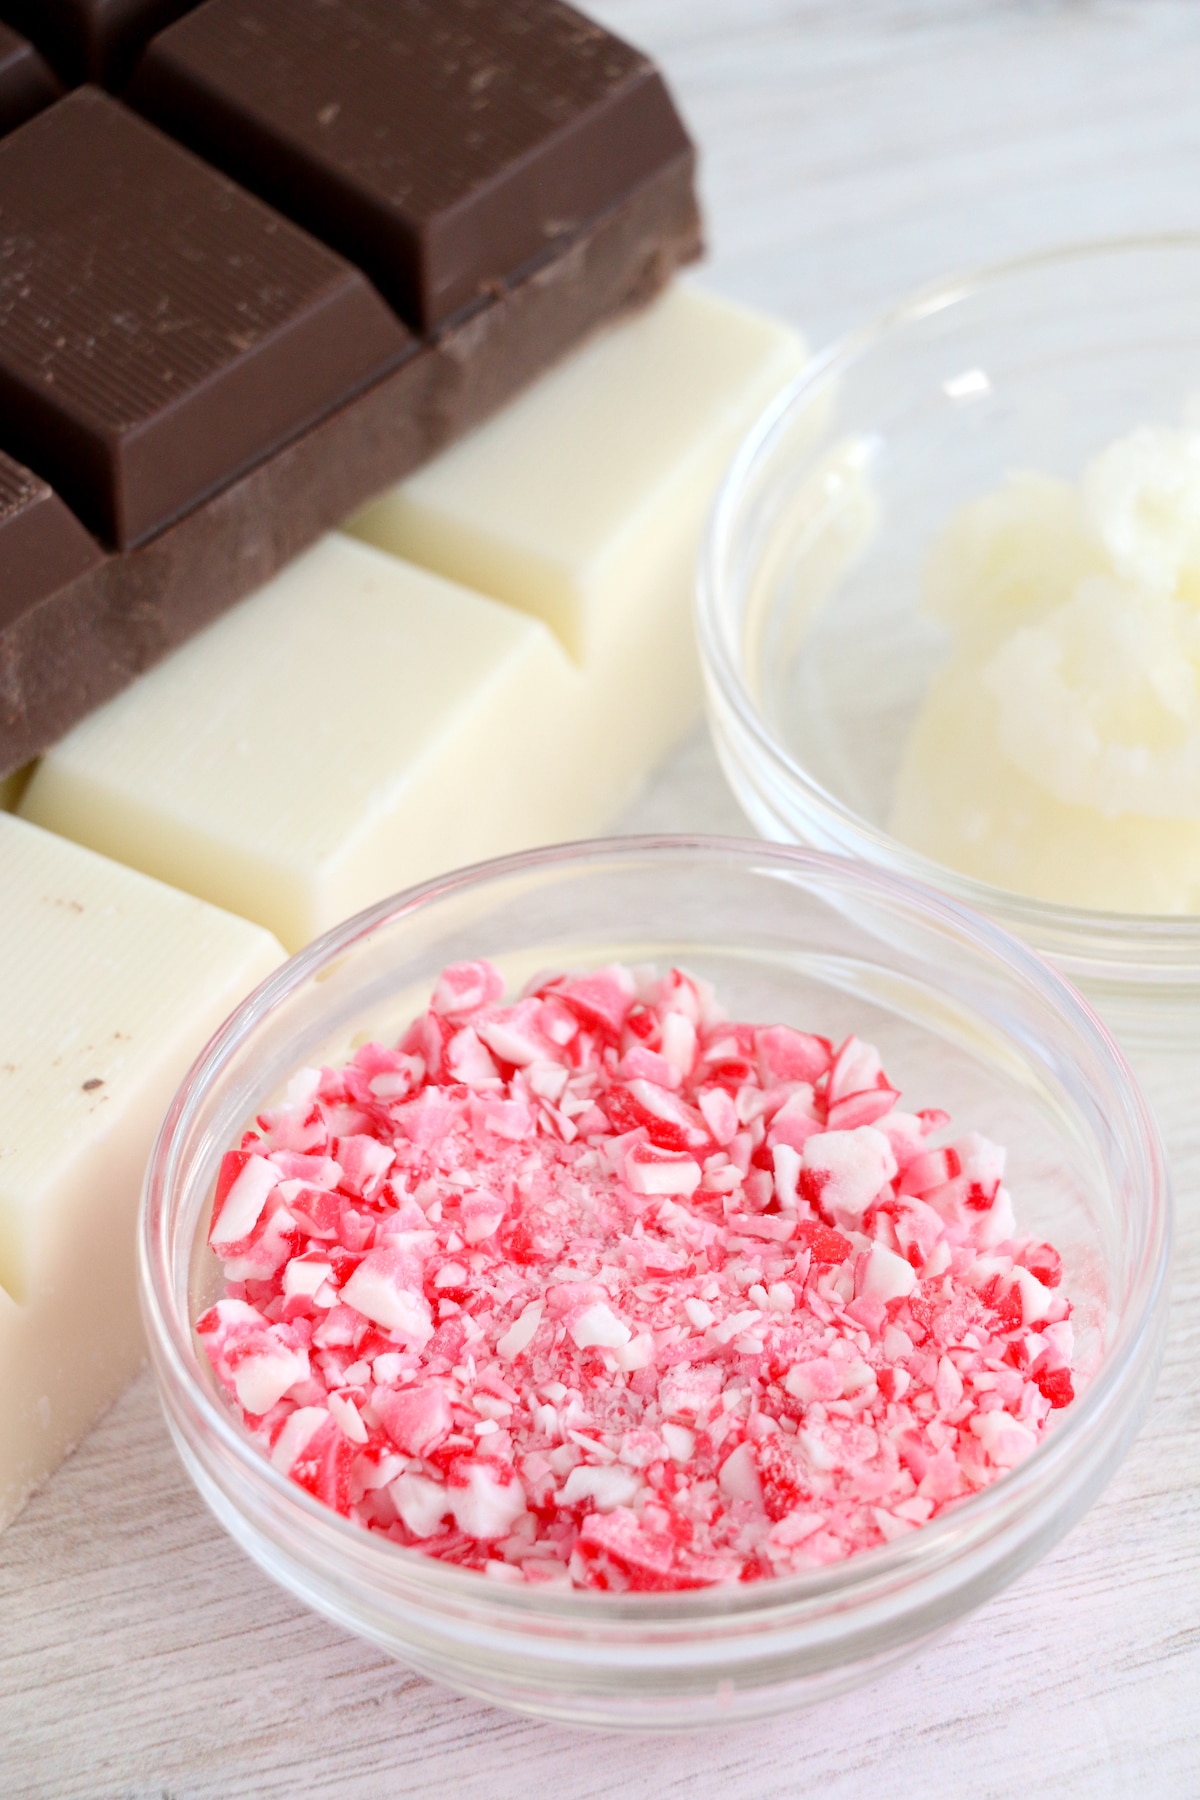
<point>161,330</point>
<point>92,40</point>
<point>42,544</point>
<point>26,82</point>
<point>445,146</point>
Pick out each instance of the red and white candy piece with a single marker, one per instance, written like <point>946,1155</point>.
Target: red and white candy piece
<point>600,1288</point>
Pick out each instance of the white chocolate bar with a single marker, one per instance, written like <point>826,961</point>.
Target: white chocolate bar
<point>356,725</point>
<point>109,986</point>
<point>584,499</point>
<point>362,723</point>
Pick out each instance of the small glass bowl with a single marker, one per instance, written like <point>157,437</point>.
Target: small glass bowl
<point>816,653</point>
<point>966,1018</point>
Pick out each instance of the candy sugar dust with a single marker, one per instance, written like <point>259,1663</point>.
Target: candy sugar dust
<point>601,1290</point>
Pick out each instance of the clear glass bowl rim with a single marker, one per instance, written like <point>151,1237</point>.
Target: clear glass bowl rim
<point>1149,942</point>
<point>867,1576</point>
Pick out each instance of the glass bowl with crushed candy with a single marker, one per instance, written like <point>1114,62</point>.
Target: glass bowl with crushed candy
<point>656,1281</point>
<point>950,611</point>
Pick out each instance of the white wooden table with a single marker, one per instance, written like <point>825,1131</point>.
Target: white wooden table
<point>853,148</point>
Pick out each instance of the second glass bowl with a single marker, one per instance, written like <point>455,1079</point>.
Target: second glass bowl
<point>817,653</point>
<point>966,1018</point>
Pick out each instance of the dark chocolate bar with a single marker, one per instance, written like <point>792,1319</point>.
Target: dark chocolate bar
<point>42,544</point>
<point>208,386</point>
<point>26,83</point>
<point>160,329</point>
<point>91,40</point>
<point>445,147</point>
<point>86,641</point>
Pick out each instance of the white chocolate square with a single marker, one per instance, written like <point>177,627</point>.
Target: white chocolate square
<point>355,726</point>
<point>110,985</point>
<point>361,723</point>
<point>583,501</point>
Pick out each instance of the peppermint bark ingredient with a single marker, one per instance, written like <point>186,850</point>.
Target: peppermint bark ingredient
<point>1057,751</point>
<point>601,1289</point>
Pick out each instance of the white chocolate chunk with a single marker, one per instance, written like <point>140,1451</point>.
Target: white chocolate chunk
<point>355,726</point>
<point>361,724</point>
<point>583,501</point>
<point>109,986</point>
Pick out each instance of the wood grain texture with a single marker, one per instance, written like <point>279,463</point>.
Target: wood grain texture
<point>852,149</point>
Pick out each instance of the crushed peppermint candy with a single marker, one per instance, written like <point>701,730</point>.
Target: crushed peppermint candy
<point>601,1290</point>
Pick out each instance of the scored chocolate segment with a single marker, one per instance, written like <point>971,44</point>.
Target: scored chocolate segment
<point>445,146</point>
<point>92,40</point>
<point>160,329</point>
<point>61,659</point>
<point>42,544</point>
<point>26,82</point>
